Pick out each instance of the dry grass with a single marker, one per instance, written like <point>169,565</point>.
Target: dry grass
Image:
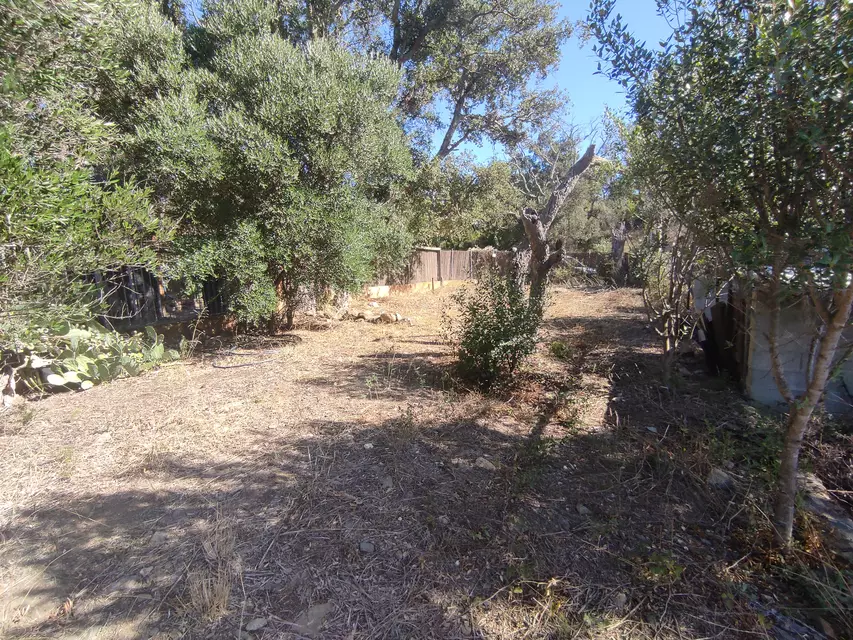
<point>209,587</point>
<point>332,489</point>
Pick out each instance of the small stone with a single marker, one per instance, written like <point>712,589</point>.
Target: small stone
<point>372,304</point>
<point>583,510</point>
<point>482,463</point>
<point>311,620</point>
<point>386,318</point>
<point>256,623</point>
<point>124,585</point>
<point>366,547</point>
<point>719,479</point>
<point>652,429</point>
<point>368,445</point>
<point>387,483</point>
<point>728,464</point>
<point>146,571</point>
<point>158,538</point>
<point>443,520</point>
<point>620,600</point>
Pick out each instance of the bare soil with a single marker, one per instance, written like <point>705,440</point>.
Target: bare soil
<point>346,486</point>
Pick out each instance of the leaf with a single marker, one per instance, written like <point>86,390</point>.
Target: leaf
<point>104,372</point>
<point>76,332</point>
<point>86,384</point>
<point>72,377</point>
<point>55,380</point>
<point>96,327</point>
<point>156,352</point>
<point>129,365</point>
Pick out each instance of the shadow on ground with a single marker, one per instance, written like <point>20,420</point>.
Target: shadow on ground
<point>424,526</point>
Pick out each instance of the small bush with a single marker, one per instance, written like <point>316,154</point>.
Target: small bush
<point>497,329</point>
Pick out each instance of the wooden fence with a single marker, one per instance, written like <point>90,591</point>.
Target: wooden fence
<point>135,297</point>
<point>437,266</point>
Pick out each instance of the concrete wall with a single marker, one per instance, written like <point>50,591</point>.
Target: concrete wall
<point>794,348</point>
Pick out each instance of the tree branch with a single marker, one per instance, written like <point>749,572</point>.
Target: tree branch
<point>447,143</point>
<point>559,195</point>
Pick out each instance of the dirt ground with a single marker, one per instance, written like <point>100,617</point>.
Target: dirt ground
<point>347,487</point>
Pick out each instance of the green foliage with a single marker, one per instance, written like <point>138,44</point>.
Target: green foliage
<point>561,350</point>
<point>456,203</point>
<point>497,329</point>
<point>66,214</point>
<point>278,159</point>
<point>746,119</point>
<point>80,355</point>
<point>471,59</point>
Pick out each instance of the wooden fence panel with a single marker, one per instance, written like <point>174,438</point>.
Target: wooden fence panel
<point>455,264</point>
<point>425,264</point>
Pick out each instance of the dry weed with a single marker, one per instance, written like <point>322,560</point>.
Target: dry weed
<point>209,585</point>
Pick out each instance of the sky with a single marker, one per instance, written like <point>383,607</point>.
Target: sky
<point>576,75</point>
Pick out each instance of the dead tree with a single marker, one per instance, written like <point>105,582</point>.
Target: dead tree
<point>540,257</point>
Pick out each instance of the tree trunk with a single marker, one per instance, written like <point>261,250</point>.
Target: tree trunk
<point>542,259</point>
<point>801,412</point>
<point>537,223</point>
<point>285,306</point>
<point>617,254</point>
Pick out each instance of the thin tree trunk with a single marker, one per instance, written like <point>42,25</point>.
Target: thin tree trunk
<point>801,412</point>
<point>285,305</point>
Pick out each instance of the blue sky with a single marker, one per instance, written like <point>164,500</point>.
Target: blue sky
<point>576,75</point>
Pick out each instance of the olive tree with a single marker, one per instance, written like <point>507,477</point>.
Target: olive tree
<point>747,109</point>
<point>466,65</point>
<point>277,158</point>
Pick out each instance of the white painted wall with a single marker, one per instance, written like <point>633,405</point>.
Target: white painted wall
<point>794,347</point>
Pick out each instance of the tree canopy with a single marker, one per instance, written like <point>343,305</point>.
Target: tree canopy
<point>67,214</point>
<point>744,118</point>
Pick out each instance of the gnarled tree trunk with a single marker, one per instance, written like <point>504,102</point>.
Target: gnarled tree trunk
<point>537,224</point>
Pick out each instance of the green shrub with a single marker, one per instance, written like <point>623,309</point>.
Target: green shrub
<point>497,329</point>
<point>78,356</point>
